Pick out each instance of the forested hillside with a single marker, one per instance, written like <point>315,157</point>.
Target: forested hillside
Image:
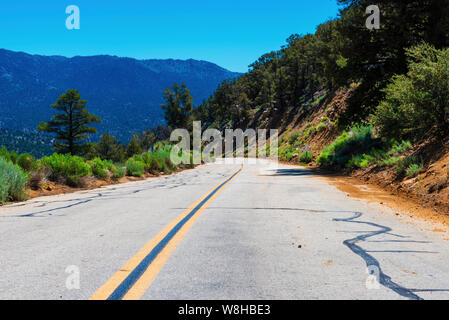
<point>341,52</point>
<point>371,103</point>
<point>38,145</point>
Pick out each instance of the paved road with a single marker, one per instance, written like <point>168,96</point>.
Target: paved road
<point>264,234</point>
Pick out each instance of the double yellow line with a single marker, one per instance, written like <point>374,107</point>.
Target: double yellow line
<point>135,277</point>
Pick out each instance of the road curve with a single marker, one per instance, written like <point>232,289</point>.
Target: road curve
<point>217,232</point>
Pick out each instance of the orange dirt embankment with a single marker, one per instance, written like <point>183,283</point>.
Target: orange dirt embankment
<point>425,196</point>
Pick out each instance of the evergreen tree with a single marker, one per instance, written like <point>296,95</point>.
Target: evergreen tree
<point>133,147</point>
<point>109,149</point>
<point>178,106</point>
<point>70,126</point>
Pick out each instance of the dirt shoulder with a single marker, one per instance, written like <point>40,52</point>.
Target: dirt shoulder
<point>404,203</point>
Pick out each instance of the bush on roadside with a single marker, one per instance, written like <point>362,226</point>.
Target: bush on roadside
<point>357,140</point>
<point>416,103</point>
<point>389,161</point>
<point>135,168</point>
<point>13,181</point>
<point>306,157</point>
<point>118,173</point>
<point>101,168</point>
<point>413,170</point>
<point>38,175</point>
<point>293,137</point>
<point>404,164</point>
<point>26,162</point>
<point>320,127</point>
<point>66,168</point>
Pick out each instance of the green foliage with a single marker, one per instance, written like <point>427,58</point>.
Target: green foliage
<point>356,141</point>
<point>361,161</point>
<point>393,155</point>
<point>135,168</point>
<point>399,148</point>
<point>389,161</point>
<point>67,168</point>
<point>162,158</point>
<point>109,149</point>
<point>293,137</point>
<point>178,106</point>
<point>320,127</point>
<point>287,152</point>
<point>413,170</point>
<point>13,156</point>
<point>133,147</point>
<point>100,168</point>
<point>416,103</point>
<point>374,56</point>
<point>405,164</point>
<point>5,154</point>
<point>13,181</point>
<point>340,53</point>
<point>70,125</point>
<point>306,157</point>
<point>26,161</point>
<point>118,173</point>
<point>36,143</point>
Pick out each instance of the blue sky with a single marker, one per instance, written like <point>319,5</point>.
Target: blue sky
<point>231,33</point>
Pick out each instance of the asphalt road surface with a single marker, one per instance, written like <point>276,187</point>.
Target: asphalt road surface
<point>217,232</point>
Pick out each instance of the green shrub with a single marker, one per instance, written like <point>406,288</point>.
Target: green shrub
<point>320,127</point>
<point>67,168</point>
<point>146,158</point>
<point>416,103</point>
<point>5,154</point>
<point>361,161</point>
<point>356,141</point>
<point>100,167</point>
<point>293,137</point>
<point>118,172</point>
<point>135,168</point>
<point>163,162</point>
<point>404,164</point>
<point>26,162</point>
<point>13,181</point>
<point>13,156</point>
<point>399,148</point>
<point>389,161</point>
<point>306,157</point>
<point>413,170</point>
<point>156,165</point>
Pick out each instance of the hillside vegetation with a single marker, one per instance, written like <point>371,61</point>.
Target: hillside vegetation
<point>371,102</point>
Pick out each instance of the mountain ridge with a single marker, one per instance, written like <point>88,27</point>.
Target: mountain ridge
<point>125,92</point>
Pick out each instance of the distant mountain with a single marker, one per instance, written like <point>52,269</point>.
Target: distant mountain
<point>126,93</point>
<point>37,144</point>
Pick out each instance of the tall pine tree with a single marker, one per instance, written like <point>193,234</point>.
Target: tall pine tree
<point>70,125</point>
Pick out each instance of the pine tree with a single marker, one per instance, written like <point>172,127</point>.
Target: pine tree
<point>109,149</point>
<point>178,107</point>
<point>133,147</point>
<point>70,125</point>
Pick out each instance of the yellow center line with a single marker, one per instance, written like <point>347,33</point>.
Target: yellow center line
<point>143,283</point>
